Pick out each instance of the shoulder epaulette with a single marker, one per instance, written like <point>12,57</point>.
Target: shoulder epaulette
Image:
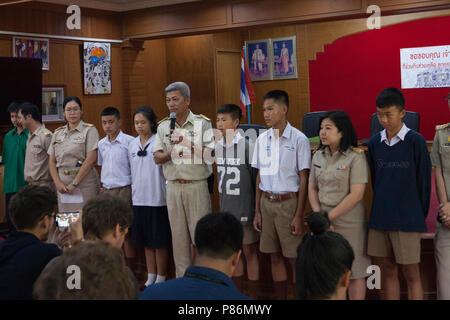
<point>88,124</point>
<point>442,126</point>
<point>163,120</point>
<point>204,117</point>
<point>57,129</point>
<point>357,150</point>
<point>46,132</point>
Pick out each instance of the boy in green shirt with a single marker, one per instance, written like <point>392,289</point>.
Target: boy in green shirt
<point>13,157</point>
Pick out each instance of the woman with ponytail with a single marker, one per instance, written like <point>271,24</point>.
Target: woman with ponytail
<point>324,262</point>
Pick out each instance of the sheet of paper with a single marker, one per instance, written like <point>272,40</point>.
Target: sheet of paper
<point>75,197</point>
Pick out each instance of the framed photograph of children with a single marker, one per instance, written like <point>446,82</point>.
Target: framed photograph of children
<point>52,103</point>
<point>258,57</point>
<point>284,62</point>
<point>24,47</point>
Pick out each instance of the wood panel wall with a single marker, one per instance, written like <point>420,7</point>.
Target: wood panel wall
<point>65,56</point>
<point>47,18</point>
<point>219,15</point>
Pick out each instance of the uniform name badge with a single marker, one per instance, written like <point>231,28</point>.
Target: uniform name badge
<point>78,138</point>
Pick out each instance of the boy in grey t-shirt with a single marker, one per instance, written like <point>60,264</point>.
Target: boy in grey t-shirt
<point>236,187</point>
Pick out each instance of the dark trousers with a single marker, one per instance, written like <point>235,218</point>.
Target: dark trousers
<point>8,197</point>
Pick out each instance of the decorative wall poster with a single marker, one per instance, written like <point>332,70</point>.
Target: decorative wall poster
<point>97,68</point>
<point>425,67</point>
<point>32,48</point>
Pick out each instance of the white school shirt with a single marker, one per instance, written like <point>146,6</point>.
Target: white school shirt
<point>148,185</point>
<point>113,157</point>
<point>280,160</point>
<point>395,139</point>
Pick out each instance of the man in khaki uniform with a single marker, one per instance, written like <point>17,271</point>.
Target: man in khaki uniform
<point>440,160</point>
<point>36,157</point>
<point>181,153</point>
<point>73,154</point>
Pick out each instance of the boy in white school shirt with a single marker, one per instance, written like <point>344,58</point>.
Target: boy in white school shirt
<point>116,172</point>
<point>283,157</point>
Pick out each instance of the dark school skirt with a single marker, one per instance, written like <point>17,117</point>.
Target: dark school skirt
<point>151,227</point>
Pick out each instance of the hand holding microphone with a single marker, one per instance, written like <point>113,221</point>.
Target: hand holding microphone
<point>174,136</point>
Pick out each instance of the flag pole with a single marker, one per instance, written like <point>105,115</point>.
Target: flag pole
<point>248,106</point>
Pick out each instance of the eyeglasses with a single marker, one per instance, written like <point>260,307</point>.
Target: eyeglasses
<point>74,110</point>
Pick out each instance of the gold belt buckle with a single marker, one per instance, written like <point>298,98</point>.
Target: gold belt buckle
<point>272,196</point>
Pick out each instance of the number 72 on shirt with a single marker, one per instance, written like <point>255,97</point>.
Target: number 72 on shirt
<point>222,171</point>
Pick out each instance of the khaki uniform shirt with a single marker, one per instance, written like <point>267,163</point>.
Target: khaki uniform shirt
<point>69,147</point>
<point>440,154</point>
<point>36,157</point>
<point>335,174</point>
<point>198,129</point>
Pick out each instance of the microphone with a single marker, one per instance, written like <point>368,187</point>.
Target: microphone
<point>173,118</point>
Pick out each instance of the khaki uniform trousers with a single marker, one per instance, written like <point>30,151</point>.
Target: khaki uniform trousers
<point>123,193</point>
<point>89,187</point>
<point>186,204</point>
<point>442,256</point>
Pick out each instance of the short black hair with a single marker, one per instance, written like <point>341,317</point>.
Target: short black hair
<point>148,112</point>
<point>111,111</point>
<point>391,97</point>
<point>344,125</point>
<point>279,96</point>
<point>103,213</point>
<point>14,106</point>
<point>29,108</point>
<point>323,257</point>
<point>72,98</point>
<point>30,204</point>
<point>218,235</point>
<point>231,109</point>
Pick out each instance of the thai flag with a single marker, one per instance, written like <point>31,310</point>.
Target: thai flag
<point>247,92</point>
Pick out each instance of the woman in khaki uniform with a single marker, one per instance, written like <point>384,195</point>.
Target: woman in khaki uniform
<point>337,181</point>
<point>73,154</point>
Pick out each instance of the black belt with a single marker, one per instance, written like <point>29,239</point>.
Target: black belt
<point>203,277</point>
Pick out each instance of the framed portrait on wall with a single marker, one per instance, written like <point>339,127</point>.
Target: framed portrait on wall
<point>24,47</point>
<point>52,103</point>
<point>97,68</point>
<point>258,58</point>
<point>284,58</point>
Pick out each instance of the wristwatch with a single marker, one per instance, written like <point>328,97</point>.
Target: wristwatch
<point>74,184</point>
